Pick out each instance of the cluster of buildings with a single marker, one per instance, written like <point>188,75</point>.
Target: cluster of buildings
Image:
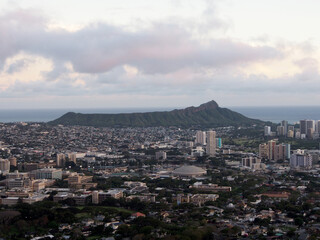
<point>283,130</point>
<point>309,129</point>
<point>253,163</point>
<point>29,187</point>
<point>299,159</point>
<point>209,140</point>
<point>88,166</point>
<point>274,151</point>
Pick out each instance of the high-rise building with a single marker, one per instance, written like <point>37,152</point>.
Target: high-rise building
<point>297,134</point>
<point>287,150</point>
<point>317,126</point>
<point>310,133</point>
<point>95,197</point>
<point>211,143</point>
<point>279,152</point>
<point>301,161</point>
<point>200,138</point>
<point>305,125</point>
<point>219,142</point>
<point>13,161</point>
<point>284,124</point>
<point>4,165</point>
<point>275,152</point>
<point>267,130</point>
<point>290,134</point>
<point>281,131</point>
<point>263,151</point>
<point>271,146</point>
<point>161,155</point>
<point>310,124</point>
<point>61,159</point>
<point>72,157</point>
<point>282,151</point>
<point>291,128</point>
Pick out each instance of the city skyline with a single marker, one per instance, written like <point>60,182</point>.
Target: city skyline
<point>160,54</point>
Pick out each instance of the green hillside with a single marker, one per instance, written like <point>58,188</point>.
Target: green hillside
<point>208,115</point>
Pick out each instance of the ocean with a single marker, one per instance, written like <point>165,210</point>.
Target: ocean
<point>277,114</point>
<point>273,114</point>
<point>46,115</point>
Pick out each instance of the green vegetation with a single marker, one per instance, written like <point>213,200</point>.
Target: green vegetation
<point>24,219</point>
<point>301,143</point>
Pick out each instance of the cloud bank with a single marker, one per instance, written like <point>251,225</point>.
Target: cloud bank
<point>164,59</point>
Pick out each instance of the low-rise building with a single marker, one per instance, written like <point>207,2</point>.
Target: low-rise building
<point>142,198</point>
<point>189,171</point>
<point>82,199</point>
<point>253,163</point>
<point>210,187</point>
<point>99,197</point>
<point>198,199</point>
<point>78,181</point>
<point>47,173</point>
<point>131,184</point>
<point>32,198</point>
<point>277,195</point>
<point>62,196</point>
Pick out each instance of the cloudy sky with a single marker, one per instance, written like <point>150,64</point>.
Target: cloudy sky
<point>161,53</point>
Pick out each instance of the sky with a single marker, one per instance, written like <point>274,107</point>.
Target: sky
<point>160,53</point>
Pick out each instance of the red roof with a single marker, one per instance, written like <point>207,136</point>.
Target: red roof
<point>138,214</point>
<point>277,194</point>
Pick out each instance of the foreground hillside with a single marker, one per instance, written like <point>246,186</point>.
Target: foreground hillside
<point>208,114</point>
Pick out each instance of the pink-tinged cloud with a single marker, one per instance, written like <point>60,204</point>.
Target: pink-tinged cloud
<point>98,48</point>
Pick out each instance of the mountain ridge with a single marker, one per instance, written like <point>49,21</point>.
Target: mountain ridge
<point>208,115</point>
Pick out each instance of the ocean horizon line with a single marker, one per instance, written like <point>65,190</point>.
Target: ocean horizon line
<point>106,108</point>
<point>273,114</point>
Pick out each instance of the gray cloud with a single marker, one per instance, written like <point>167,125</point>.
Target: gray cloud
<point>116,82</point>
<point>64,87</point>
<point>59,69</point>
<point>98,48</point>
<point>170,60</point>
<point>18,65</point>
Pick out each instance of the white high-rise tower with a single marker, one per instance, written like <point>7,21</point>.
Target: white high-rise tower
<point>200,138</point>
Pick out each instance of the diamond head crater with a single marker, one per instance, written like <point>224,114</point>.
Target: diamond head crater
<point>206,115</point>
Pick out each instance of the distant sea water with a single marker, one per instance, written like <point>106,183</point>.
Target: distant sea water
<point>46,115</point>
<point>277,114</point>
<point>273,114</point>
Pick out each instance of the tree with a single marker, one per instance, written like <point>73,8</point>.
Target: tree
<point>77,234</point>
<point>298,221</point>
<point>124,231</point>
